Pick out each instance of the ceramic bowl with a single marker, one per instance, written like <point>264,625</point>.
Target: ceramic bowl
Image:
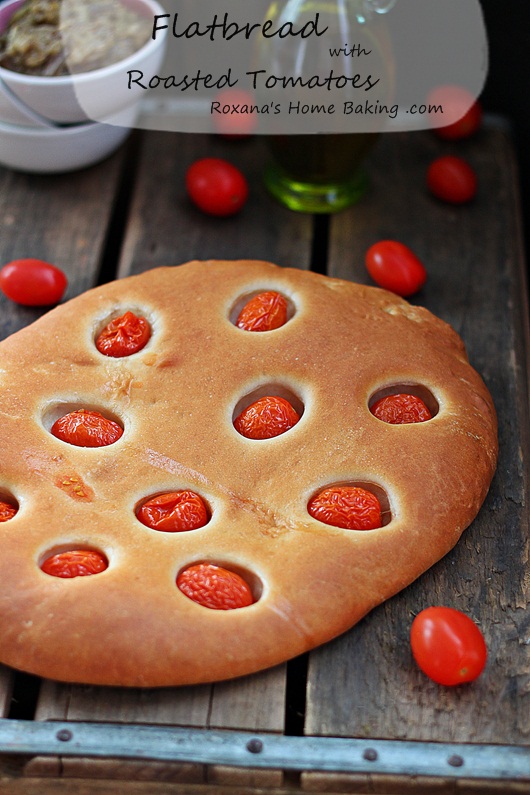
<point>94,95</point>
<point>52,151</point>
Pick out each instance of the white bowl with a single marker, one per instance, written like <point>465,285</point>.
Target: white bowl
<point>93,95</point>
<point>51,151</point>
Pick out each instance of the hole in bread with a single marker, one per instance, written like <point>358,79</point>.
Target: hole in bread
<point>258,415</point>
<point>82,424</point>
<point>176,511</point>
<point>351,505</point>
<point>123,332</point>
<point>8,505</point>
<point>262,310</point>
<point>73,560</point>
<point>404,415</point>
<point>219,585</point>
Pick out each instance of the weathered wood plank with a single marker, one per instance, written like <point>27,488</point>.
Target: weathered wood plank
<point>62,219</point>
<point>365,683</point>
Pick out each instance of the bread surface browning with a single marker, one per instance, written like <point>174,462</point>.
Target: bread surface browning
<point>130,625</point>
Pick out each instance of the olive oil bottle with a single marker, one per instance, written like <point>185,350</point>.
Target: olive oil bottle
<point>314,172</point>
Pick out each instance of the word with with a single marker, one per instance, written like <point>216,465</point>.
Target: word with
<point>228,29</point>
<point>356,50</point>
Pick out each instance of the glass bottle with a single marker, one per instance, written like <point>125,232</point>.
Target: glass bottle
<point>322,173</point>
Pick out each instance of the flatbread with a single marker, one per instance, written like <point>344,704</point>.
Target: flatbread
<point>343,345</point>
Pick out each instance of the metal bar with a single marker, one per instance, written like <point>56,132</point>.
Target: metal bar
<point>244,749</point>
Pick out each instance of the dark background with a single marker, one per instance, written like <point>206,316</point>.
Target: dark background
<point>507,89</point>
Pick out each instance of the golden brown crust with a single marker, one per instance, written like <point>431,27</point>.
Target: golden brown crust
<point>130,625</point>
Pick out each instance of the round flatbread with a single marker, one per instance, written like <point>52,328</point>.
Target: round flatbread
<point>341,347</point>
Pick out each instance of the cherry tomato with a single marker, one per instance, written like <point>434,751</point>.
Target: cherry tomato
<point>351,507</point>
<point>393,266</point>
<point>7,511</point>
<point>215,587</point>
<point>401,409</point>
<point>447,645</point>
<point>267,417</point>
<point>452,180</point>
<point>264,312</point>
<point>216,186</point>
<point>238,120</point>
<point>86,429</point>
<point>174,512</point>
<point>32,282</point>
<point>75,563</point>
<point>461,107</point>
<point>123,336</point>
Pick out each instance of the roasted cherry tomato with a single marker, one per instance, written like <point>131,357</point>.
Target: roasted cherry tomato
<point>351,507</point>
<point>216,187</point>
<point>264,312</point>
<point>401,409</point>
<point>393,266</point>
<point>447,645</point>
<point>86,429</point>
<point>7,511</point>
<point>32,282</point>
<point>233,113</point>
<point>215,587</point>
<point>174,511</point>
<point>459,108</point>
<point>123,336</point>
<point>452,180</point>
<point>267,417</point>
<point>75,563</point>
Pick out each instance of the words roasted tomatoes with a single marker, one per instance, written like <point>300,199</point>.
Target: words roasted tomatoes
<point>393,266</point>
<point>216,187</point>
<point>174,512</point>
<point>401,409</point>
<point>452,180</point>
<point>215,587</point>
<point>86,429</point>
<point>32,282</point>
<point>75,563</point>
<point>350,507</point>
<point>266,418</point>
<point>124,336</point>
<point>263,312</point>
<point>447,645</point>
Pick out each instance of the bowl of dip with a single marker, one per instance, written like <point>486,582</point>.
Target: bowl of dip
<point>69,61</point>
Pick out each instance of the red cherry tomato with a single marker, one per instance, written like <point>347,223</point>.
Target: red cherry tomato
<point>401,409</point>
<point>75,563</point>
<point>452,180</point>
<point>267,417</point>
<point>84,428</point>
<point>447,645</point>
<point>174,512</point>
<point>350,507</point>
<point>264,312</point>
<point>393,266</point>
<point>461,107</point>
<point>215,587</point>
<point>123,336</point>
<point>234,116</point>
<point>32,282</point>
<point>7,511</point>
<point>216,187</point>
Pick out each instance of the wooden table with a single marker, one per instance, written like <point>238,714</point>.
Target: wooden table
<point>130,214</point>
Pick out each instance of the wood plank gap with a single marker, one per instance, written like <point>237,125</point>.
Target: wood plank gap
<point>295,700</point>
<point>320,245</point>
<point>119,214</point>
<point>24,696</point>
